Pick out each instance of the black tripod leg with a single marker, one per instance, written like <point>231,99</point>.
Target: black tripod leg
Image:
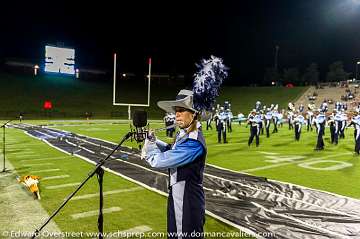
<point>100,176</point>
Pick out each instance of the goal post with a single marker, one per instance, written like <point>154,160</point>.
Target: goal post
<point>130,104</point>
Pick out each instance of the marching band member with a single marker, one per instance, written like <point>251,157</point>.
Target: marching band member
<point>320,121</point>
<point>275,118</point>
<point>299,120</point>
<point>229,117</point>
<point>268,117</point>
<point>310,116</point>
<point>185,158</point>
<point>331,123</point>
<point>355,121</point>
<point>221,125</point>
<point>344,119</point>
<point>254,122</point>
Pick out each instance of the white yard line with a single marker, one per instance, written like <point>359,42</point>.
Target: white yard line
<point>55,177</point>
<point>95,212</point>
<point>37,164</point>
<point>67,185</point>
<point>46,170</point>
<point>92,195</point>
<point>48,158</point>
<point>33,160</point>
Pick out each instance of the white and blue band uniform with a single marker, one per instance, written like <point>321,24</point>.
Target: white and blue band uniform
<point>344,119</point>
<point>280,117</point>
<point>309,120</point>
<point>338,125</point>
<point>229,117</point>
<point>299,120</point>
<point>170,120</point>
<point>331,124</point>
<point>301,108</point>
<point>275,115</point>
<point>221,125</point>
<point>356,123</point>
<point>185,160</point>
<point>268,117</point>
<point>241,117</point>
<point>320,121</point>
<point>258,106</point>
<point>324,106</point>
<point>254,121</point>
<point>290,117</point>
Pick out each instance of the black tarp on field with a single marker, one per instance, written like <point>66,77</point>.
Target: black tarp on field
<point>267,208</point>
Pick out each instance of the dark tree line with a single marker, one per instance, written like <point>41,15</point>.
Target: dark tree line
<point>310,76</point>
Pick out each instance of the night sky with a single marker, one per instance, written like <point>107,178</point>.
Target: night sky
<point>176,34</point>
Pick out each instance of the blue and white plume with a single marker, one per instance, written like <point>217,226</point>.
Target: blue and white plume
<point>207,82</point>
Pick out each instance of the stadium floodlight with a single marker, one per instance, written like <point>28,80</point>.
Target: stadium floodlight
<point>36,68</point>
<point>129,104</point>
<point>77,73</point>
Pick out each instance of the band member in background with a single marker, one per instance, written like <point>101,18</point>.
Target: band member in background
<point>229,117</point>
<point>331,123</point>
<point>275,115</point>
<point>344,119</point>
<point>299,120</point>
<point>268,117</point>
<point>221,125</point>
<point>169,121</point>
<point>254,122</point>
<point>355,121</point>
<point>320,121</point>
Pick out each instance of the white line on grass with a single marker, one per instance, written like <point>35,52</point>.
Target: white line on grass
<point>94,212</point>
<point>268,153</point>
<point>41,159</point>
<point>92,195</point>
<point>46,170</point>
<point>295,162</point>
<point>37,164</point>
<point>62,186</point>
<point>22,155</point>
<point>56,177</point>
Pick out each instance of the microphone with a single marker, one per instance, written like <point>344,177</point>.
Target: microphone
<point>140,121</point>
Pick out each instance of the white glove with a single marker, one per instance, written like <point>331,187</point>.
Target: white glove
<point>148,145</point>
<point>151,136</point>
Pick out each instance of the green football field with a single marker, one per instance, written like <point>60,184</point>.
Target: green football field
<point>280,157</point>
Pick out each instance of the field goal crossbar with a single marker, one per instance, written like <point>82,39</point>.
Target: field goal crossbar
<point>128,104</point>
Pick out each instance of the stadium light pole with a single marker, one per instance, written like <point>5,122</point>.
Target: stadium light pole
<point>357,66</point>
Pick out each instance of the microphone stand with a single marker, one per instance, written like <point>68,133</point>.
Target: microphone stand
<point>100,173</point>
<point>4,126</point>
